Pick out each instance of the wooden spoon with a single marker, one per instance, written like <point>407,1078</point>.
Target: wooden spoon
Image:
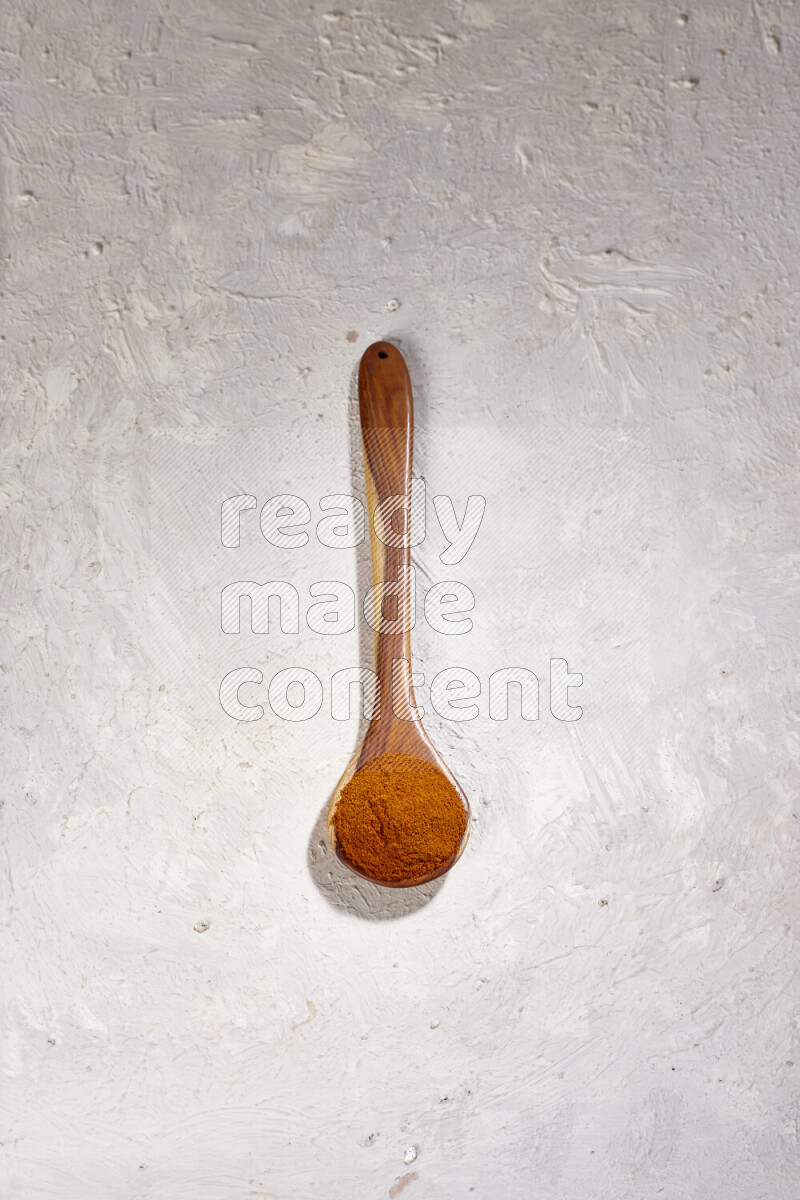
<point>387,428</point>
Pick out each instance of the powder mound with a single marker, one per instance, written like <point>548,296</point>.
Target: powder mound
<point>399,818</point>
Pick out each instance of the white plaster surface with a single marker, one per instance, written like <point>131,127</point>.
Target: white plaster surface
<point>586,215</point>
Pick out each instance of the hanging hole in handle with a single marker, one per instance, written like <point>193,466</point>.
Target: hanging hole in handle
<point>382,354</point>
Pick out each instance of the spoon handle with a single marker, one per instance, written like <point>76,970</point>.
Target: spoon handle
<point>387,427</point>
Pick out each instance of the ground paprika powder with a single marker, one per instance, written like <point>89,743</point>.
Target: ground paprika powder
<point>399,818</point>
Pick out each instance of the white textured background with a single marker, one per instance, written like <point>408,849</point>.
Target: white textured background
<point>585,212</point>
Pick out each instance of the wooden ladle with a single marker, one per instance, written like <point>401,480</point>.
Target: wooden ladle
<point>387,428</point>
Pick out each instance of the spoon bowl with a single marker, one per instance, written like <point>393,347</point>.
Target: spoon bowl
<point>352,767</point>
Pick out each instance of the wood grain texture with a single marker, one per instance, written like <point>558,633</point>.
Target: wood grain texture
<point>387,426</point>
